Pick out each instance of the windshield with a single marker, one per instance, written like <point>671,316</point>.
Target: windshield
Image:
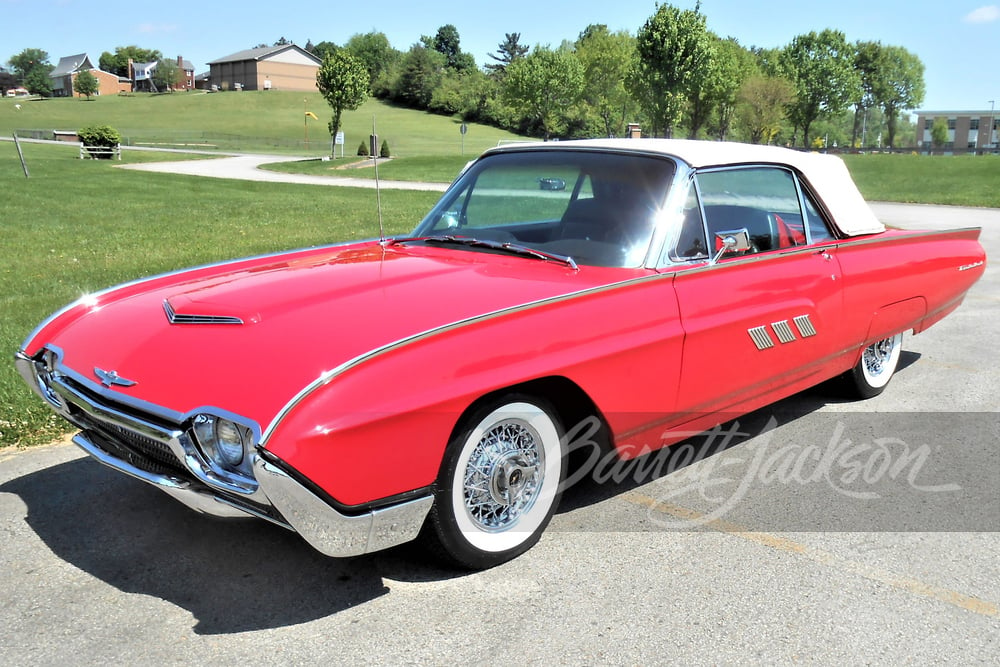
<point>594,207</point>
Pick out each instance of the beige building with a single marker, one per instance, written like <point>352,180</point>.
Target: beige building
<point>286,67</point>
<point>968,131</point>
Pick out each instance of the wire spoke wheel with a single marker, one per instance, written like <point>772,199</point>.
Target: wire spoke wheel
<point>500,482</point>
<point>875,368</point>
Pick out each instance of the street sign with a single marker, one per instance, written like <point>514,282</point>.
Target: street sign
<point>339,139</point>
<point>464,128</point>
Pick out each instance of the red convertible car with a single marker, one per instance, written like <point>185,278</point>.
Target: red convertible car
<point>363,395</point>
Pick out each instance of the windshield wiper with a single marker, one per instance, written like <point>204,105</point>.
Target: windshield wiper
<point>503,246</point>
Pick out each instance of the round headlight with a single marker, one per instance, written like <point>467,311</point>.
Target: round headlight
<point>221,440</point>
<point>229,442</point>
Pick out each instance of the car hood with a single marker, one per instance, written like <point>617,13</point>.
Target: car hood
<point>246,337</point>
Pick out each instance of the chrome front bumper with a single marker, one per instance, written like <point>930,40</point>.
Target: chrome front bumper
<point>111,435</point>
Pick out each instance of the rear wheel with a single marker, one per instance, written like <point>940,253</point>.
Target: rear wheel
<point>875,368</point>
<point>499,483</point>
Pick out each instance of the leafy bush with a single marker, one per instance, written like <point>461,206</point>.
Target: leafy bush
<point>363,149</point>
<point>384,150</point>
<point>100,137</point>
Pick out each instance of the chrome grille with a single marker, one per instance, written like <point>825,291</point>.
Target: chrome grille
<point>140,450</point>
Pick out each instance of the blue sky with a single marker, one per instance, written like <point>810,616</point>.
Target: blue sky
<point>956,40</point>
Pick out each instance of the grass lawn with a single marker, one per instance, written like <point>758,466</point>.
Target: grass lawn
<point>79,225</point>
<point>260,121</point>
<point>928,179</point>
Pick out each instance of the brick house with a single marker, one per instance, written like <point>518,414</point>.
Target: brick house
<point>64,74</point>
<point>287,67</point>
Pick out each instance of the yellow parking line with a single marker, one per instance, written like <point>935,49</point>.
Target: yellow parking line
<point>914,586</point>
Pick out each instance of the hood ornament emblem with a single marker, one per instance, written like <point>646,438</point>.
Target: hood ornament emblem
<point>111,378</point>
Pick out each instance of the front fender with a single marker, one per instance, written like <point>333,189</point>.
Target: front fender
<point>379,428</point>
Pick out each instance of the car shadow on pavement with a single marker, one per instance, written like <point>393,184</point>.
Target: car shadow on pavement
<point>237,575</point>
<point>233,575</point>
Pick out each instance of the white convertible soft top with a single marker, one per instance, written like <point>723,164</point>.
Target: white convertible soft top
<point>826,174</point>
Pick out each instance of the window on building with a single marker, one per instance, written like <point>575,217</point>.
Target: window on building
<point>972,145</point>
<point>928,123</point>
<point>974,124</point>
<point>951,123</point>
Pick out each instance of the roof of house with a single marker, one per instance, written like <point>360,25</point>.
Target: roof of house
<point>262,53</point>
<point>71,64</point>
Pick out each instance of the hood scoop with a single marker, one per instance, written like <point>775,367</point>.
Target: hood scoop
<point>175,317</point>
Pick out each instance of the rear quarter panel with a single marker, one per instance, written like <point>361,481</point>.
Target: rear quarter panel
<point>901,280</point>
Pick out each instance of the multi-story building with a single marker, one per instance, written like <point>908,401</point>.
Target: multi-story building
<point>968,131</point>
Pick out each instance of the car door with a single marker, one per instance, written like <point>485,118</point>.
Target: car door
<point>762,323</point>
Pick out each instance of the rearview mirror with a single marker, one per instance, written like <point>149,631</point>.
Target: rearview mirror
<point>731,241</point>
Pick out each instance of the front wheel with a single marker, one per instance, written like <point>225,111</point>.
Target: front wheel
<point>499,484</point>
<point>875,368</point>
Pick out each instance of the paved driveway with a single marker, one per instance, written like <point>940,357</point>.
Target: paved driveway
<point>756,554</point>
<point>245,167</point>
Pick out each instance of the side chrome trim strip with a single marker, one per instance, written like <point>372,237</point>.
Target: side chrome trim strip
<point>328,376</point>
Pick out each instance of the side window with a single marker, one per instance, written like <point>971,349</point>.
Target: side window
<point>818,229</point>
<point>691,242</point>
<point>762,200</point>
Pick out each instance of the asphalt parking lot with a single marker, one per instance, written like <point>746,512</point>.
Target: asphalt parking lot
<point>884,548</point>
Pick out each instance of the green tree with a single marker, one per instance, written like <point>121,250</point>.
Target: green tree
<point>821,67</point>
<point>28,61</point>
<point>117,63</point>
<point>607,59</point>
<point>734,65</point>
<point>899,84</point>
<point>166,75</point>
<point>544,87</point>
<point>86,83</point>
<point>375,52</point>
<point>867,62</point>
<point>762,101</point>
<point>38,81</point>
<point>939,132</point>
<point>509,50</point>
<point>323,49</point>
<point>673,47</point>
<point>419,75</point>
<point>343,82</point>
<point>446,42</point>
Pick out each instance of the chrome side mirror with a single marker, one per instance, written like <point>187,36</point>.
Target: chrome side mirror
<point>730,241</point>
